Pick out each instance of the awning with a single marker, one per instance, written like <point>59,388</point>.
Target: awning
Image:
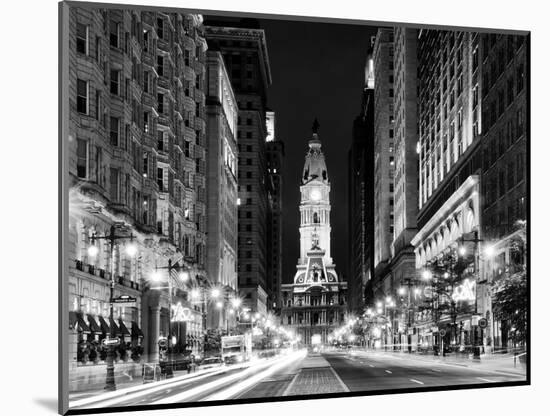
<point>136,331</point>
<point>115,326</point>
<point>123,328</point>
<point>104,325</point>
<point>76,321</point>
<point>93,324</point>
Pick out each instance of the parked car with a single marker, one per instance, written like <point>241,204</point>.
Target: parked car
<point>211,362</point>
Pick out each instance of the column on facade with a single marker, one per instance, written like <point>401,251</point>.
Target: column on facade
<point>155,332</point>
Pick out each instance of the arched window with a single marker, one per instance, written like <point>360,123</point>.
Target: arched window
<point>315,218</point>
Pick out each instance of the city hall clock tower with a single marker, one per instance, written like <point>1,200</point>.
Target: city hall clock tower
<point>315,202</point>
<point>315,303</point>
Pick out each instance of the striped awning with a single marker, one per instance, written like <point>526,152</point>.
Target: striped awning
<point>136,331</point>
<point>93,324</point>
<point>76,321</point>
<point>123,328</point>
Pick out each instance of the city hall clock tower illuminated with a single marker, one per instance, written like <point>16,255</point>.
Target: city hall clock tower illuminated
<point>314,304</point>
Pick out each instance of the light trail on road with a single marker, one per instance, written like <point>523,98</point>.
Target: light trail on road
<point>186,395</point>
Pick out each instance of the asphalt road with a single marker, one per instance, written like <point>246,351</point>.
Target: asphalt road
<point>378,372</point>
<point>277,377</point>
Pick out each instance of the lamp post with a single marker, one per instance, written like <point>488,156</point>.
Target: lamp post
<point>184,275</point>
<point>408,281</point>
<point>110,383</point>
<point>489,251</point>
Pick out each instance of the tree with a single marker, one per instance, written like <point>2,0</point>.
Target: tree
<point>510,304</point>
<point>510,293</point>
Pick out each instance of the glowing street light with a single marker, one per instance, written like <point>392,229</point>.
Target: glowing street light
<point>401,291</point>
<point>426,275</point>
<point>131,249</point>
<point>184,276</point>
<point>195,294</point>
<point>219,305</point>
<point>489,251</point>
<point>93,250</point>
<point>462,250</point>
<point>156,276</point>
<point>446,275</point>
<point>215,293</point>
<point>236,302</point>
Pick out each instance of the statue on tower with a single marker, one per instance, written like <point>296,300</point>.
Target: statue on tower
<point>315,240</point>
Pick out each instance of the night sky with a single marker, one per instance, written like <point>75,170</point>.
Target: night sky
<point>317,71</point>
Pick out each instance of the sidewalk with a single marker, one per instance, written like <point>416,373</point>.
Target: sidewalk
<point>315,376</point>
<point>501,363</point>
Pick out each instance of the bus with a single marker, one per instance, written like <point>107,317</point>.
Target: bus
<point>236,348</point>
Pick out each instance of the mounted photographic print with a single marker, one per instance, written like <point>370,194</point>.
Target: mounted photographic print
<point>264,208</point>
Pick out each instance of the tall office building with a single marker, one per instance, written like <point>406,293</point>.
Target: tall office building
<point>504,173</point>
<point>361,197</point>
<point>275,155</point>
<point>384,156</point>
<point>136,138</point>
<point>245,56</point>
<point>449,171</point>
<point>222,113</point>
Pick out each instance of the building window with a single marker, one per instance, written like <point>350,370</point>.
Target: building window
<point>160,99</point>
<point>114,185</point>
<point>115,129</point>
<point>146,122</point>
<point>520,75</point>
<point>519,123</point>
<point>115,82</point>
<point>114,34</point>
<point>160,142</point>
<point>82,158</point>
<point>82,38</point>
<point>82,96</point>
<point>160,65</point>
<point>160,28</point>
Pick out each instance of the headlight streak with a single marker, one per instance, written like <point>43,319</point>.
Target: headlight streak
<point>186,395</point>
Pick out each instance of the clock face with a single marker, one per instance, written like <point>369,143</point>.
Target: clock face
<point>315,194</point>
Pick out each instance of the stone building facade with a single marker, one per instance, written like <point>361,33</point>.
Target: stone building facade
<point>136,163</point>
<point>245,56</point>
<point>222,114</point>
<point>275,157</point>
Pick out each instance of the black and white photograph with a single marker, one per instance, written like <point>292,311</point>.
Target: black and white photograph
<point>268,208</point>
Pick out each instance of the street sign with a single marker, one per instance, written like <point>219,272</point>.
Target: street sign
<point>482,323</point>
<point>125,300</point>
<point>442,332</point>
<point>111,341</point>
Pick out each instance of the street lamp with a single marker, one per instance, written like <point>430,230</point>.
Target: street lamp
<point>93,250</point>
<point>156,276</point>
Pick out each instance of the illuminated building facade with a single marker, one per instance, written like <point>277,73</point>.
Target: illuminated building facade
<point>504,171</point>
<point>136,152</point>
<point>275,156</point>
<point>314,305</point>
<point>361,198</point>
<point>384,156</point>
<point>449,201</point>
<point>222,113</point>
<point>244,51</point>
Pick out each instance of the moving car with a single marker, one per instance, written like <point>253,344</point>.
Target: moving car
<point>211,362</point>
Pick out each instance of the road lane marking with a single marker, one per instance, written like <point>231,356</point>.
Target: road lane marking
<point>485,379</point>
<point>371,365</point>
<point>388,371</point>
<point>339,379</point>
<point>415,381</point>
<point>435,369</point>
